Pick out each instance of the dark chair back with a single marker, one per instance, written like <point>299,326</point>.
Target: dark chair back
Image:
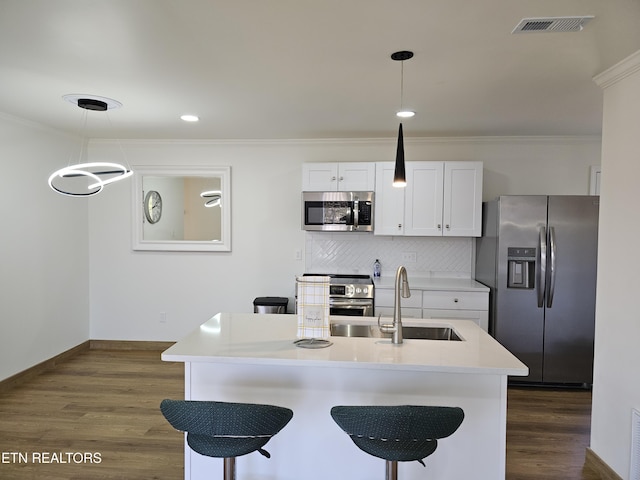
<point>398,433</point>
<point>225,429</point>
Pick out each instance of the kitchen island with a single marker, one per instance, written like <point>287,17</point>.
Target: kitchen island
<point>252,358</point>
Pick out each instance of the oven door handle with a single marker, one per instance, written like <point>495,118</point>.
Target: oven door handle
<point>347,303</point>
<point>356,213</point>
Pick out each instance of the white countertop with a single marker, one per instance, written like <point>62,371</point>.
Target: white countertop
<point>434,283</point>
<point>245,338</point>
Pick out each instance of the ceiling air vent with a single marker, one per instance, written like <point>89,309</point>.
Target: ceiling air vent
<point>552,24</point>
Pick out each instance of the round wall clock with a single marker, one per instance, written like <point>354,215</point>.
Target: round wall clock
<point>152,206</point>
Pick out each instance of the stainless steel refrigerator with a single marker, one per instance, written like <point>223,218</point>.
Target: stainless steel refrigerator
<point>538,256</point>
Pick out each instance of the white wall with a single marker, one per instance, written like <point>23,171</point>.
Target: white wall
<point>44,258</point>
<point>616,389</point>
<point>130,290</point>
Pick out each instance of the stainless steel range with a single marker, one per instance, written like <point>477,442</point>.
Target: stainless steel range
<point>351,295</point>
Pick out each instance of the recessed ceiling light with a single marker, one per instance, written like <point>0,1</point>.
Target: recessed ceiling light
<point>405,113</point>
<point>190,118</point>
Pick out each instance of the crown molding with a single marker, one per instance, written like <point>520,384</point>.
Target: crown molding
<point>520,139</point>
<point>619,71</point>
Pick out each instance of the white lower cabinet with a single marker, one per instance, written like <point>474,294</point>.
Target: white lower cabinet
<point>461,305</point>
<point>445,304</point>
<point>410,307</point>
<point>481,317</point>
<point>454,300</point>
<point>404,311</point>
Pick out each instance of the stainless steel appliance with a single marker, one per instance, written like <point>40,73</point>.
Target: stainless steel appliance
<point>350,295</point>
<point>538,255</point>
<point>337,211</point>
<point>270,304</point>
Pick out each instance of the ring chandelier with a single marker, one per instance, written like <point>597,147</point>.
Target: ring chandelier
<point>214,198</point>
<point>96,174</point>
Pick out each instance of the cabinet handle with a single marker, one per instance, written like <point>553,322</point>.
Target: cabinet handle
<point>333,179</point>
<point>341,179</point>
<point>439,227</point>
<point>399,226</point>
<point>455,300</point>
<point>447,227</point>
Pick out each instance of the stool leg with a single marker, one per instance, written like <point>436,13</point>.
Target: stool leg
<point>230,468</point>
<point>392,470</point>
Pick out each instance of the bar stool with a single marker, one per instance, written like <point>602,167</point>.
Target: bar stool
<point>397,433</point>
<point>226,430</point>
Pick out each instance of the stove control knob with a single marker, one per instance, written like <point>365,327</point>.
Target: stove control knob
<point>358,290</point>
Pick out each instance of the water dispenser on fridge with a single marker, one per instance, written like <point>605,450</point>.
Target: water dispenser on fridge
<point>521,267</point>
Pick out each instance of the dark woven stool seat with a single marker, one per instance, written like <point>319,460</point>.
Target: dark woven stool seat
<point>224,429</point>
<point>397,433</point>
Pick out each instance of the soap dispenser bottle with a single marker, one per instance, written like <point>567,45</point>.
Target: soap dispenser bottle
<point>376,269</point>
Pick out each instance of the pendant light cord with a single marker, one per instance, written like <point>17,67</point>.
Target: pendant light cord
<point>83,130</point>
<point>401,57</point>
<point>401,83</point>
<point>126,160</point>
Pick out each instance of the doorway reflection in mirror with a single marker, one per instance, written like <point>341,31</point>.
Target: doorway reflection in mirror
<point>196,209</point>
<point>185,215</point>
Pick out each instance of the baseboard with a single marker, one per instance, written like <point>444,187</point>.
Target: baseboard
<point>26,375</point>
<point>595,463</point>
<point>129,345</point>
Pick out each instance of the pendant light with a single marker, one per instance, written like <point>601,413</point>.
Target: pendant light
<point>71,180</point>
<point>399,176</point>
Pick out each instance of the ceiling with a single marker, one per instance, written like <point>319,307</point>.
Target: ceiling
<point>285,69</point>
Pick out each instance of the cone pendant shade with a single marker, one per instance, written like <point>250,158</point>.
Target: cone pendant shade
<point>399,176</point>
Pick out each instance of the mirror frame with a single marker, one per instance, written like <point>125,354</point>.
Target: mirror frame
<point>139,243</point>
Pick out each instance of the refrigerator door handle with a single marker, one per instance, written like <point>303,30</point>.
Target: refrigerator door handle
<point>551,282</point>
<point>541,271</point>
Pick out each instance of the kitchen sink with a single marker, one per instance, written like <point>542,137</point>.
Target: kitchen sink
<point>408,332</point>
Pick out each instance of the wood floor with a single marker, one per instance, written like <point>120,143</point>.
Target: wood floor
<point>547,434</point>
<point>102,405</point>
<point>104,402</point>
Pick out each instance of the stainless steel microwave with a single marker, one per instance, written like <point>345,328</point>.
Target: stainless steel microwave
<point>337,211</point>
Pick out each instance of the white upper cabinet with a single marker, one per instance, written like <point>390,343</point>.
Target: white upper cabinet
<point>440,199</point>
<point>343,177</point>
<point>423,198</point>
<point>388,208</point>
<point>462,209</point>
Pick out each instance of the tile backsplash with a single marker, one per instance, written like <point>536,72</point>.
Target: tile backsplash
<point>327,252</point>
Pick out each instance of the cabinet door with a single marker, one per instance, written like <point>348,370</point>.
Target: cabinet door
<point>385,297</point>
<point>423,198</point>
<point>462,210</point>
<point>481,317</point>
<point>356,176</point>
<point>405,312</point>
<point>388,202</point>
<point>319,177</point>
<point>455,300</point>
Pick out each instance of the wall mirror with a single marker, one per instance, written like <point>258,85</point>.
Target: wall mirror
<point>182,208</point>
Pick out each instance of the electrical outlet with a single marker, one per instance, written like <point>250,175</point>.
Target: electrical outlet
<point>409,257</point>
<point>297,255</point>
<point>163,318</point>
